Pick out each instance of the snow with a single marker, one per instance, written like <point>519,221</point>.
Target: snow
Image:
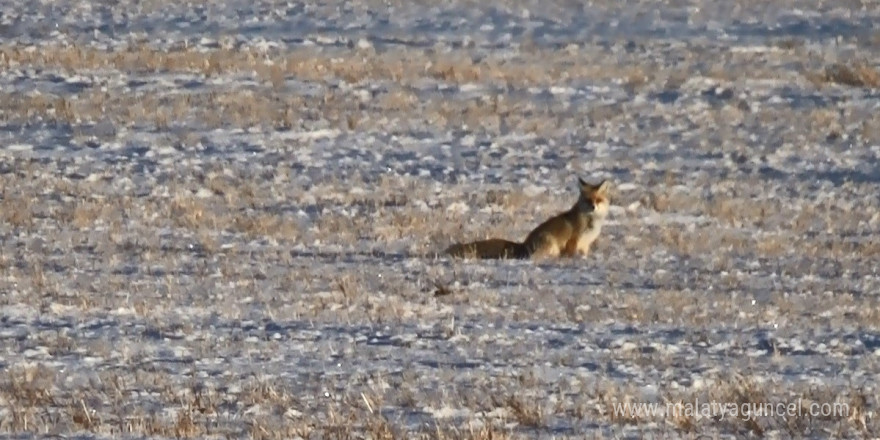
<point>268,243</point>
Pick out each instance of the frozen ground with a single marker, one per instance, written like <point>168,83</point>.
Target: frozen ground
<point>219,218</point>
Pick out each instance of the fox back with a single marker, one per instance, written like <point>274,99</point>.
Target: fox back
<point>572,232</point>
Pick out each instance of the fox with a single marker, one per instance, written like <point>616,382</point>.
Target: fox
<point>567,234</point>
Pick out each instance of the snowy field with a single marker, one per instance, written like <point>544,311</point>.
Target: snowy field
<point>220,219</point>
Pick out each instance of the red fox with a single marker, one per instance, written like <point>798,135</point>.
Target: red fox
<point>567,234</point>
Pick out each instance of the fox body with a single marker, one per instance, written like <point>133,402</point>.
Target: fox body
<point>567,234</point>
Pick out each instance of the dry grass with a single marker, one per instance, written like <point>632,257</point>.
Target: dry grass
<point>856,74</point>
<point>527,411</point>
<point>317,65</point>
<point>276,99</point>
<point>17,211</point>
<point>269,109</point>
<point>254,299</point>
<point>224,212</point>
<point>37,405</point>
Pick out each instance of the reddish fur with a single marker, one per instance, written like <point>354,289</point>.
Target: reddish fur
<point>570,247</point>
<point>557,236</point>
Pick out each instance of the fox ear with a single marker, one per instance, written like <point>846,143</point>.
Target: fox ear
<point>600,188</point>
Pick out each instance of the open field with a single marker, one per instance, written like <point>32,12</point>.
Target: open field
<point>220,219</point>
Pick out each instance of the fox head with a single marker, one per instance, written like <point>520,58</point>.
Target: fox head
<point>594,198</point>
